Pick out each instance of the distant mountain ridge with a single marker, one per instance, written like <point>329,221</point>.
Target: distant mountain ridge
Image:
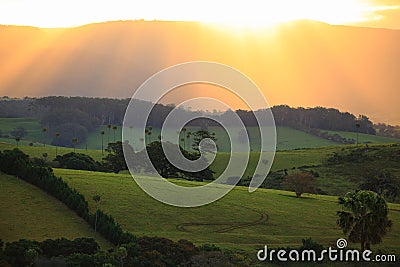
<point>301,63</point>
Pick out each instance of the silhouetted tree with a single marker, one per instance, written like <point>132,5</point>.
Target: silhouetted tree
<point>114,129</point>
<point>17,139</point>
<point>44,130</point>
<point>74,142</point>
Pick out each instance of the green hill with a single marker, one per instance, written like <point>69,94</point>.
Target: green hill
<point>240,221</point>
<point>29,213</point>
<point>287,138</point>
<point>365,138</point>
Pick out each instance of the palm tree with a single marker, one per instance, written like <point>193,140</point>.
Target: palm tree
<point>188,135</point>
<point>358,125</point>
<point>57,136</point>
<point>114,129</point>
<point>148,132</point>
<point>109,128</point>
<point>364,217</point>
<point>17,139</point>
<point>102,142</point>
<point>44,130</point>
<point>74,142</point>
<point>97,200</point>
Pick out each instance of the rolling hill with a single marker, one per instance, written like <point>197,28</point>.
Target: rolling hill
<point>287,138</point>
<point>239,221</point>
<point>29,213</point>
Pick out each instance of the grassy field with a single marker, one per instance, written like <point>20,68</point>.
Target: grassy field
<point>365,138</point>
<point>283,159</point>
<point>287,138</point>
<point>37,151</point>
<point>27,212</point>
<point>32,126</point>
<point>240,221</point>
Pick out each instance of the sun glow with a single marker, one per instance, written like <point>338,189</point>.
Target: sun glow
<point>250,13</point>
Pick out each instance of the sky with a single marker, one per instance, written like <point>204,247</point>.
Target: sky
<point>357,68</point>
<point>249,13</point>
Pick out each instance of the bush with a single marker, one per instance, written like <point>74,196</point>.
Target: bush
<point>78,161</point>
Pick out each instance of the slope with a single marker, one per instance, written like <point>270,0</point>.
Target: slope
<point>27,212</point>
<point>241,220</point>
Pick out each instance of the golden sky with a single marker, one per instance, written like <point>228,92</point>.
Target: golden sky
<point>249,13</point>
<point>299,64</point>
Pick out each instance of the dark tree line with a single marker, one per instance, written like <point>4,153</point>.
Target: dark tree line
<point>15,162</point>
<point>75,117</point>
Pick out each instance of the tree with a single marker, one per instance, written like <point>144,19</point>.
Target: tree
<point>97,200</point>
<point>383,183</point>
<point>109,128</point>
<point>19,131</point>
<point>358,125</point>
<point>102,142</point>
<point>78,161</point>
<point>165,168</point>
<point>300,182</point>
<point>115,160</point>
<point>364,217</point>
<point>200,135</point>
<point>74,142</point>
<point>114,129</point>
<point>44,130</point>
<point>57,135</point>
<point>17,139</point>
<point>188,135</point>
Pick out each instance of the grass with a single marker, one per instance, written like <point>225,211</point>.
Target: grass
<point>365,138</point>
<point>287,138</point>
<point>233,222</point>
<point>37,151</point>
<point>32,126</point>
<point>27,212</point>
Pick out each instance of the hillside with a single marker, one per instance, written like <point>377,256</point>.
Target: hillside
<point>29,213</point>
<point>287,138</point>
<point>365,138</point>
<point>240,220</point>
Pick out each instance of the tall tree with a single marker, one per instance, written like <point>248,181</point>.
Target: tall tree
<point>44,130</point>
<point>114,129</point>
<point>109,128</point>
<point>102,142</point>
<point>364,217</point>
<point>74,142</point>
<point>17,139</point>
<point>57,135</point>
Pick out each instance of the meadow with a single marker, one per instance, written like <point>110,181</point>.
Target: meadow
<point>365,138</point>
<point>27,212</point>
<point>239,221</point>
